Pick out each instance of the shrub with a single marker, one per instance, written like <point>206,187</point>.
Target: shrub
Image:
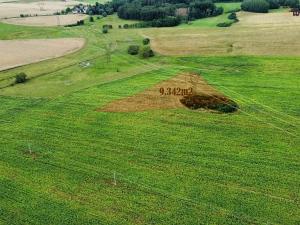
<point>104,30</point>
<point>225,24</point>
<point>126,26</point>
<point>146,41</point>
<point>218,11</point>
<point>98,17</point>
<point>120,26</point>
<point>107,26</point>
<point>146,52</point>
<point>259,6</point>
<point>104,14</point>
<point>133,49</point>
<point>68,10</point>
<point>212,102</point>
<point>21,78</point>
<point>80,22</point>
<point>91,19</point>
<point>232,16</point>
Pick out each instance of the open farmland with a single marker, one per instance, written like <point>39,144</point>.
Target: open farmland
<point>45,21</point>
<point>15,9</point>
<point>64,159</point>
<point>255,34</point>
<point>36,50</point>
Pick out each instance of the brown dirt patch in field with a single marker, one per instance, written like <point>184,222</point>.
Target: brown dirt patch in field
<point>14,53</point>
<point>14,9</point>
<point>152,98</point>
<point>47,21</point>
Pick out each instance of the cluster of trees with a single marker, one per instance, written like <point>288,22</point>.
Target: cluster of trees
<point>169,21</point>
<point>260,6</point>
<point>143,51</point>
<point>153,13</point>
<point>263,6</point>
<point>97,9</point>
<point>202,9</point>
<point>149,10</point>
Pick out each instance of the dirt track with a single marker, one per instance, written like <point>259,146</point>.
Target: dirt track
<point>21,52</point>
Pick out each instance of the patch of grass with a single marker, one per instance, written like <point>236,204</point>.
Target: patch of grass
<point>171,166</point>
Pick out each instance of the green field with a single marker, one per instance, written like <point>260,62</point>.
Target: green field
<point>59,155</point>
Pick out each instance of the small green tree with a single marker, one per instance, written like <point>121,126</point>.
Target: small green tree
<point>146,41</point>
<point>146,52</point>
<point>104,30</point>
<point>91,19</point>
<point>133,49</point>
<point>21,78</point>
<point>232,16</point>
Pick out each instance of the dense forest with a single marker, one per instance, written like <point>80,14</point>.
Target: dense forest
<point>157,13</point>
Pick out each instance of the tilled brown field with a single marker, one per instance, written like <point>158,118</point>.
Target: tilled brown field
<point>15,53</point>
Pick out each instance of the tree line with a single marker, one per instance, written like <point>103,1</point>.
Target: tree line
<point>157,13</point>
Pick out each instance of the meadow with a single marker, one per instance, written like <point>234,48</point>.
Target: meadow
<point>64,162</point>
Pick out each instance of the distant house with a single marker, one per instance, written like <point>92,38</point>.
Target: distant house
<point>80,9</point>
<point>182,12</point>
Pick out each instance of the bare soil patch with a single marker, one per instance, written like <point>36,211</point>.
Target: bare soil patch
<point>152,98</point>
<point>15,53</point>
<point>14,9</point>
<point>43,21</point>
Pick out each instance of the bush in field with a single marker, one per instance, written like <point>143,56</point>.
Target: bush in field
<point>225,24</point>
<point>274,4</point>
<point>80,22</point>
<point>232,16</point>
<point>21,78</point>
<point>104,30</point>
<point>133,49</point>
<point>68,10</point>
<point>259,6</point>
<point>146,41</point>
<point>146,52</point>
<point>91,19</point>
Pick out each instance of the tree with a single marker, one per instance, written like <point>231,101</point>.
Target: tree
<point>274,4</point>
<point>146,52</point>
<point>108,51</point>
<point>91,19</point>
<point>21,78</point>
<point>133,49</point>
<point>146,41</point>
<point>260,6</point>
<point>104,30</point>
